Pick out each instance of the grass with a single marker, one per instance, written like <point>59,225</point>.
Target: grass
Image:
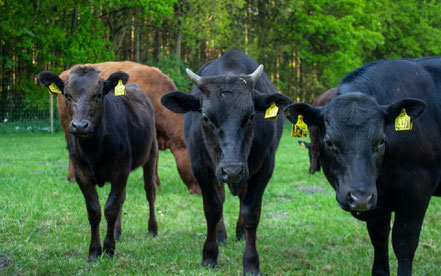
<point>44,228</point>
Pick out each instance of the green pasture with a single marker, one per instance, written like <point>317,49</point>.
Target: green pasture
<point>44,228</point>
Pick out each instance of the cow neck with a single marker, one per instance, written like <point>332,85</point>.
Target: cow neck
<point>91,146</point>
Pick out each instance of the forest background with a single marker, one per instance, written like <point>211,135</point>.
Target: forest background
<point>306,46</point>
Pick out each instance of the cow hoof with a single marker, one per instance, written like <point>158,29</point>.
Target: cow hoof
<point>117,235</point>
<point>194,190</point>
<point>212,263</point>
<point>153,227</point>
<point>240,236</point>
<point>254,271</point>
<point>92,258</point>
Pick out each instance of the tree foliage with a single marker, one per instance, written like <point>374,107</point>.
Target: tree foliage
<point>305,45</point>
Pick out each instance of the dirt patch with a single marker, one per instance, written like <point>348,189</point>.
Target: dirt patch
<point>311,189</point>
<point>4,261</point>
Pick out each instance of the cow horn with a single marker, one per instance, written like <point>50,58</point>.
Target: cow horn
<point>256,74</point>
<point>194,77</point>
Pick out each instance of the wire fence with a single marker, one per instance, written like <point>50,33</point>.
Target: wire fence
<point>16,117</point>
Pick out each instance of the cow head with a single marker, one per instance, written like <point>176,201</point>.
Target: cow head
<point>84,91</point>
<point>228,107</point>
<point>352,142</point>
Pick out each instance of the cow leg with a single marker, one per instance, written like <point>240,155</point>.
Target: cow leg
<point>221,233</point>
<point>183,164</point>
<point>71,172</point>
<point>118,220</point>
<point>379,234</point>
<point>213,214</point>
<point>112,210</point>
<point>250,210</point>
<point>406,231</point>
<point>149,170</point>
<point>314,150</point>
<point>240,232</point>
<point>94,213</point>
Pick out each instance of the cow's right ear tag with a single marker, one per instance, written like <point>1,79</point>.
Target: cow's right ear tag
<point>54,90</point>
<point>120,89</point>
<point>402,122</point>
<point>300,129</point>
<point>271,112</point>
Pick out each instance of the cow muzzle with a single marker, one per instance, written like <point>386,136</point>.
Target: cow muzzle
<point>234,175</point>
<point>361,201</point>
<point>81,128</point>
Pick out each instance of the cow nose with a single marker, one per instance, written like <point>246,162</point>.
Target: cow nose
<point>79,127</point>
<point>360,201</point>
<point>232,173</point>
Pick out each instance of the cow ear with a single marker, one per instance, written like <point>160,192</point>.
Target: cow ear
<point>47,78</point>
<point>180,102</point>
<point>413,107</point>
<point>312,116</point>
<point>113,80</point>
<point>262,102</point>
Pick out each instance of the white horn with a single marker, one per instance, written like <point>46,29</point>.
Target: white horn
<point>194,77</point>
<point>256,74</point>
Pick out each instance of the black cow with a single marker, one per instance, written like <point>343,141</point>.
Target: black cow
<point>374,169</point>
<point>109,137</point>
<point>230,142</point>
<point>313,147</point>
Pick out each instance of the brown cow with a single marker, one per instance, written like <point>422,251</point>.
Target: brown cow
<point>313,147</point>
<point>169,125</point>
<point>109,136</point>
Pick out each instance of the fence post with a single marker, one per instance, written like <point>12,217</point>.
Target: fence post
<point>51,112</point>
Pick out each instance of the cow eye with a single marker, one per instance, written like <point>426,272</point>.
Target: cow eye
<point>248,120</point>
<point>330,145</point>
<point>68,97</point>
<point>381,144</point>
<point>97,96</point>
<point>206,121</point>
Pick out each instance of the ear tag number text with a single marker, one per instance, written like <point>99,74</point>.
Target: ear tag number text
<point>300,129</point>
<point>402,122</point>
<point>272,111</point>
<point>120,89</point>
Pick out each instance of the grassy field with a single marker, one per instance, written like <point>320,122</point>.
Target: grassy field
<point>44,228</point>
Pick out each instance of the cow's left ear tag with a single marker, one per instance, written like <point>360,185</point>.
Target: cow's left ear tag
<point>120,89</point>
<point>402,122</point>
<point>272,111</point>
<point>54,90</point>
<point>300,129</point>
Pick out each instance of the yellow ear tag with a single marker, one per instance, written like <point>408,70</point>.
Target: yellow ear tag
<point>303,146</point>
<point>120,89</point>
<point>300,129</point>
<point>53,89</point>
<point>402,122</point>
<point>271,112</point>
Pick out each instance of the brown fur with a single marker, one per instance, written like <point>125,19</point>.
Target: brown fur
<point>169,125</point>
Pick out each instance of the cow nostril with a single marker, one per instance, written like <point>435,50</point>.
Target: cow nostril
<point>86,124</point>
<point>223,171</point>
<point>354,198</point>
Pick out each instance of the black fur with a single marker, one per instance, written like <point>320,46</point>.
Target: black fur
<point>230,141</point>
<point>362,155</point>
